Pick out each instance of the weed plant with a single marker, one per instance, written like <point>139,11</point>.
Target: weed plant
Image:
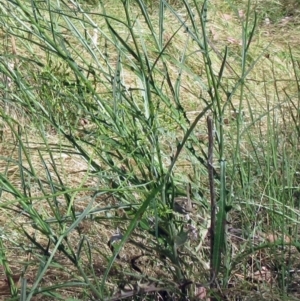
<point>144,156</point>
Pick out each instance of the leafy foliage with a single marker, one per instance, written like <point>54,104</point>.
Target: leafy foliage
<point>105,113</point>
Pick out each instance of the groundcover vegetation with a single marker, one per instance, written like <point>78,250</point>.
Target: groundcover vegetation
<point>149,150</point>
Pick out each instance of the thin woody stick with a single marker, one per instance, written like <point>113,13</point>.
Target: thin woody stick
<point>212,197</point>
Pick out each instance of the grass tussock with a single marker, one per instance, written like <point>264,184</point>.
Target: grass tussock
<point>149,150</point>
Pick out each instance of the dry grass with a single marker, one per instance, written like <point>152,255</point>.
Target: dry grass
<point>255,276</point>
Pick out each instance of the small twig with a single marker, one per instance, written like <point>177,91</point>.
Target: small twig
<point>212,197</point>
